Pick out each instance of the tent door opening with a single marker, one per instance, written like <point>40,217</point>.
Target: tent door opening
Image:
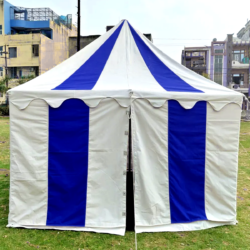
<point>130,218</point>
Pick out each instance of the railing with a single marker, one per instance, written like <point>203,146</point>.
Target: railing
<point>245,60</point>
<point>193,67</point>
<point>39,14</point>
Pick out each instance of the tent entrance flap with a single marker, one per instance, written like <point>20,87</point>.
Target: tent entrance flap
<point>130,216</point>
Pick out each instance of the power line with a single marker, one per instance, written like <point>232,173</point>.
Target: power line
<point>182,39</point>
<point>172,45</point>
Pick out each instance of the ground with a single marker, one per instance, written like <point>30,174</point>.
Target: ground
<point>226,237</point>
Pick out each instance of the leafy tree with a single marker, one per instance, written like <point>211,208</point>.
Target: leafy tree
<point>4,84</point>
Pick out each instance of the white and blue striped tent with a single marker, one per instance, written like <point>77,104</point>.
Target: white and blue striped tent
<point>69,141</point>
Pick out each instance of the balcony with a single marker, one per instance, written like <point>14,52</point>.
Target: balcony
<point>196,65</point>
<point>24,25</point>
<point>240,65</point>
<point>244,88</point>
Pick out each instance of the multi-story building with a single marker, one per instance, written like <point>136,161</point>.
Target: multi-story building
<point>225,62</point>
<point>85,40</point>
<point>33,40</point>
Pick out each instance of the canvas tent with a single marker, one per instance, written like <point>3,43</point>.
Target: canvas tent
<point>69,142</point>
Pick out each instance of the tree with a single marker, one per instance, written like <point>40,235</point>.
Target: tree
<point>4,84</point>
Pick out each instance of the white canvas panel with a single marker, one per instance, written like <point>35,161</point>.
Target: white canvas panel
<point>125,68</point>
<point>150,161</point>
<point>29,164</point>
<point>139,76</point>
<point>179,227</point>
<point>222,142</point>
<point>106,190</point>
<point>114,74</point>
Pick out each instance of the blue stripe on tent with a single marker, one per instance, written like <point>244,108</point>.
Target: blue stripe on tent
<point>186,152</point>
<point>162,74</point>
<point>68,164</point>
<point>88,74</point>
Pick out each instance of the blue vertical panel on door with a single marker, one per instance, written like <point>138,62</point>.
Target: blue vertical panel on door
<point>68,164</point>
<point>186,152</point>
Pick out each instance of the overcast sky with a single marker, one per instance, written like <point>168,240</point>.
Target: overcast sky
<point>174,24</point>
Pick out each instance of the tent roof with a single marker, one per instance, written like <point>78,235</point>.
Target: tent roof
<point>124,65</point>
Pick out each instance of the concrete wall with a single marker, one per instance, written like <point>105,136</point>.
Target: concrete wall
<point>54,51</point>
<point>23,43</point>
<point>85,40</point>
<point>7,28</point>
<point>30,24</point>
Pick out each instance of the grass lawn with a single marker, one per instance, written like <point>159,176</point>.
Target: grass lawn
<point>226,237</point>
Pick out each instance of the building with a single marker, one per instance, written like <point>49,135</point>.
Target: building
<point>85,40</point>
<point>225,62</point>
<point>33,40</point>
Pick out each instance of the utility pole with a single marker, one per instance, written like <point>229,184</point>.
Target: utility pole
<point>79,25</point>
<point>6,67</point>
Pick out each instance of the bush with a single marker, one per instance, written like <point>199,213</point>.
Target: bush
<point>4,111</point>
<point>25,79</point>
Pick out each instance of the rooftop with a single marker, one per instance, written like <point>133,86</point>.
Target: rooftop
<point>39,14</point>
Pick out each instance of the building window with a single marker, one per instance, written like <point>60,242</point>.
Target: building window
<point>238,79</point>
<point>13,52</point>
<point>1,29</point>
<point>35,50</point>
<point>218,51</point>
<point>1,50</point>
<point>13,72</point>
<point>1,71</point>
<point>36,71</point>
<point>218,64</point>
<point>195,53</point>
<point>238,55</point>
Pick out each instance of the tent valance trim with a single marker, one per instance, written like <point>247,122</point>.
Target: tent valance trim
<point>217,105</point>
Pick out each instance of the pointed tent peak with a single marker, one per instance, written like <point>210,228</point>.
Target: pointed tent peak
<point>121,59</point>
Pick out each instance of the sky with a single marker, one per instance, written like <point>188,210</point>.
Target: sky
<point>174,24</point>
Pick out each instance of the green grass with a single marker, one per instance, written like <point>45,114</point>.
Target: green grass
<point>4,143</point>
<point>226,237</point>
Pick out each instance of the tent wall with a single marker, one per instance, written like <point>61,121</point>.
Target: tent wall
<point>29,164</point>
<point>191,157</point>
<point>68,166</point>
